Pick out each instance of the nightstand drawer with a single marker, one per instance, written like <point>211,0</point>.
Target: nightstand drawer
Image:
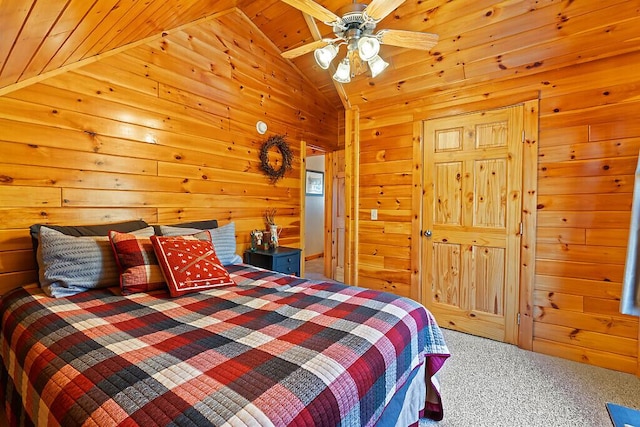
<point>289,264</point>
<point>281,259</point>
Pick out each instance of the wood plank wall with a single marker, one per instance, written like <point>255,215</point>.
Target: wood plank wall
<point>588,149</point>
<point>163,132</point>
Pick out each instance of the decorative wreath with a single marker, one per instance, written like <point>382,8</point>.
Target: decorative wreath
<point>287,157</point>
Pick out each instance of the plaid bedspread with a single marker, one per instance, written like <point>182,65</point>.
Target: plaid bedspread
<point>274,350</point>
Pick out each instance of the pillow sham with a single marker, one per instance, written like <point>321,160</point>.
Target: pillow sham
<point>189,264</point>
<point>223,239</point>
<point>85,230</point>
<point>68,265</point>
<point>137,264</point>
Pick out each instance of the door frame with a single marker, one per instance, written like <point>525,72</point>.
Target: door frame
<point>528,215</point>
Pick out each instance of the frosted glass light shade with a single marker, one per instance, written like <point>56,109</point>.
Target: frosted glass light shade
<point>343,73</point>
<point>377,65</point>
<point>325,55</point>
<point>368,48</point>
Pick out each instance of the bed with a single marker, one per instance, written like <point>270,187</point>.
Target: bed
<point>264,349</point>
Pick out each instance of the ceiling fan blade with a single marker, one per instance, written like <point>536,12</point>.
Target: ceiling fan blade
<point>378,9</point>
<point>314,9</point>
<point>408,39</point>
<point>305,48</point>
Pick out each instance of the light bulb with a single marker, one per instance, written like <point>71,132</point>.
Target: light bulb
<point>377,65</point>
<point>325,55</point>
<point>368,47</point>
<point>343,73</point>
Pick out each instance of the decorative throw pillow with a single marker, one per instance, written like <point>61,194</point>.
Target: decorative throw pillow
<point>68,264</point>
<point>139,269</point>
<point>189,264</point>
<point>223,239</point>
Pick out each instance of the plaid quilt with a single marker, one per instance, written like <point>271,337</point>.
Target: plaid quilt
<point>273,350</point>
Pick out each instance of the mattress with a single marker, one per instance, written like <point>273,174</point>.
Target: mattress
<point>271,350</point>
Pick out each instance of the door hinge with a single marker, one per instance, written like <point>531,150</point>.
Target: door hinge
<point>521,228</point>
<point>518,318</point>
<point>524,139</point>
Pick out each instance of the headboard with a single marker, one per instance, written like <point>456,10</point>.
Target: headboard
<point>29,270</point>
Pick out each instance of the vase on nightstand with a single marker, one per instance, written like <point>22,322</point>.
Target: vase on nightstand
<point>273,229</point>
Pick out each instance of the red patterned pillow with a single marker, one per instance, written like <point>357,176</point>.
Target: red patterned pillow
<point>139,269</point>
<point>189,264</point>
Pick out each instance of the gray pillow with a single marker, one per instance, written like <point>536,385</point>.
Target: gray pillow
<point>207,224</point>
<point>223,239</point>
<point>87,230</point>
<point>69,264</point>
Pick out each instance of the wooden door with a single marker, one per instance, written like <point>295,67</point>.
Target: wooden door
<point>339,214</point>
<point>471,221</point>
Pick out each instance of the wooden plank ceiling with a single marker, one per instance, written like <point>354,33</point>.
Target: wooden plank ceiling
<point>479,40</point>
<point>39,36</point>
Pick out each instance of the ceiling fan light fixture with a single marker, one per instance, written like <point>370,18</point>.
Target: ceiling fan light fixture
<point>343,72</point>
<point>325,55</point>
<point>368,48</point>
<point>354,26</point>
<point>377,65</point>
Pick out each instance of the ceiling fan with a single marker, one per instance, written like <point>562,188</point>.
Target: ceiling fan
<point>355,27</point>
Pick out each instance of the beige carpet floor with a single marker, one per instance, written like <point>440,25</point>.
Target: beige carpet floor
<point>488,383</point>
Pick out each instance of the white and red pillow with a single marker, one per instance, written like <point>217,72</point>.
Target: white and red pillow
<point>189,263</point>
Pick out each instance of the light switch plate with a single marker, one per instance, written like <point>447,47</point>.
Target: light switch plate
<point>374,214</point>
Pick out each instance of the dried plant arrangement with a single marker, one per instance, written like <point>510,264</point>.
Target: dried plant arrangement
<point>270,216</point>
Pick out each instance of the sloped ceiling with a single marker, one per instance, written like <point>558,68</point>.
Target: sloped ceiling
<point>480,40</point>
<point>39,36</point>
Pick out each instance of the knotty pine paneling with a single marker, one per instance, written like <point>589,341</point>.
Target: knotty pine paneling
<point>385,243</point>
<point>41,36</point>
<point>163,132</point>
<point>587,154</point>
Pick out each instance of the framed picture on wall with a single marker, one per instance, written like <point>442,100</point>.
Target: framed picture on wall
<point>314,183</point>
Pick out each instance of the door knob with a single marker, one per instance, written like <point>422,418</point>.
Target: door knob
<point>427,234</point>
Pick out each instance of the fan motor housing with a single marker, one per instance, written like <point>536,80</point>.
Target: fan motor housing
<point>351,8</point>
<point>352,23</point>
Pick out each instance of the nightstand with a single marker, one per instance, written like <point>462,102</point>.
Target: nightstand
<point>281,259</point>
